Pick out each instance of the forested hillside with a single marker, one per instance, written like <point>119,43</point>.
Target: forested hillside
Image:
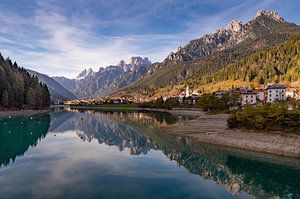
<point>20,90</point>
<point>279,63</point>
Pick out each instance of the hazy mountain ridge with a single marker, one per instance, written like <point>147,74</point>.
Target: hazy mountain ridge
<point>55,89</point>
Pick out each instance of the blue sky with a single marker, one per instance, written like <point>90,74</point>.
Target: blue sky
<point>62,37</point>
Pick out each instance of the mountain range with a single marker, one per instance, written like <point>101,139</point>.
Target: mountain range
<point>106,80</point>
<point>210,54</point>
<point>205,64</point>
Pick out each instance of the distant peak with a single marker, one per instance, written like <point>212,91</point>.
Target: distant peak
<point>122,63</point>
<point>85,73</point>
<point>90,70</point>
<point>235,26</point>
<point>271,14</point>
<point>139,61</point>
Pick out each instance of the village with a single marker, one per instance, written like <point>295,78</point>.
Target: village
<point>269,93</point>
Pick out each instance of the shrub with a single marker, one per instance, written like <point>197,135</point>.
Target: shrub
<point>266,117</point>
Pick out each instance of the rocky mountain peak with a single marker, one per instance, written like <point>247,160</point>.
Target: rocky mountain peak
<point>271,14</point>
<point>122,63</point>
<point>135,61</point>
<point>234,33</point>
<point>85,73</point>
<point>235,26</point>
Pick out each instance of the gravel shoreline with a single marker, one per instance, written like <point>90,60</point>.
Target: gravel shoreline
<point>13,113</point>
<point>212,129</point>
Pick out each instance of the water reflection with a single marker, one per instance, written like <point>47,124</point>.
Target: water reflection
<point>263,176</point>
<point>17,135</point>
<point>234,171</point>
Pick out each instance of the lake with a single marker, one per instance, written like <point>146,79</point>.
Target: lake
<point>94,154</point>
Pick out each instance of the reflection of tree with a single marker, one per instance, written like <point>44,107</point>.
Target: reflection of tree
<point>234,171</point>
<point>18,134</point>
<point>274,179</point>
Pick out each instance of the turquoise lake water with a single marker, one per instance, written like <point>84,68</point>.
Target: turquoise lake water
<point>89,154</point>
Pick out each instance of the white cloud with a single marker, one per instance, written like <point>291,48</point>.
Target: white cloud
<point>55,44</point>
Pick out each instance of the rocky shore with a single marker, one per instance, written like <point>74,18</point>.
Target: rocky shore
<point>212,129</point>
<point>14,113</point>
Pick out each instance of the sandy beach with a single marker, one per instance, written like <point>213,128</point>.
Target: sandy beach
<point>14,113</point>
<point>212,129</point>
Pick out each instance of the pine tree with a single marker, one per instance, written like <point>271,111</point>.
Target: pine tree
<point>5,99</point>
<point>18,87</point>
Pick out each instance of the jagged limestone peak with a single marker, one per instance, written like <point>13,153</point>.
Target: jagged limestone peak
<point>235,26</point>
<point>268,13</point>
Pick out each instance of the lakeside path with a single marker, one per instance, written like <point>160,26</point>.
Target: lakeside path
<point>212,129</point>
<point>27,113</point>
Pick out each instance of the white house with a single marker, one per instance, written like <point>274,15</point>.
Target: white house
<point>292,93</point>
<point>248,97</point>
<point>276,92</point>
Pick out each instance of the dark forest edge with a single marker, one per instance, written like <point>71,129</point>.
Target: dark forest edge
<point>19,90</point>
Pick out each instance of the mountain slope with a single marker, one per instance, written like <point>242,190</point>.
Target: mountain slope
<point>68,84</point>
<point>55,89</point>
<point>279,63</point>
<point>213,52</point>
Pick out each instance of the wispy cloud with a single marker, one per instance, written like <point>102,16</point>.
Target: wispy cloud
<point>63,37</point>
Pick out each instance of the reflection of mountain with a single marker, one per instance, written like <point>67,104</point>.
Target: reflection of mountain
<point>236,171</point>
<point>90,126</point>
<point>18,134</point>
<point>61,121</point>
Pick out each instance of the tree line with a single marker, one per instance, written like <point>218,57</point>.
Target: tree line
<point>18,89</point>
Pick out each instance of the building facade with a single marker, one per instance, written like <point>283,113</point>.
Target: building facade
<point>248,97</point>
<point>275,93</point>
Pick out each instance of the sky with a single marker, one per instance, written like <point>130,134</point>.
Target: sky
<point>63,37</point>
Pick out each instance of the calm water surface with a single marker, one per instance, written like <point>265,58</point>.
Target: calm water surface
<point>126,155</point>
